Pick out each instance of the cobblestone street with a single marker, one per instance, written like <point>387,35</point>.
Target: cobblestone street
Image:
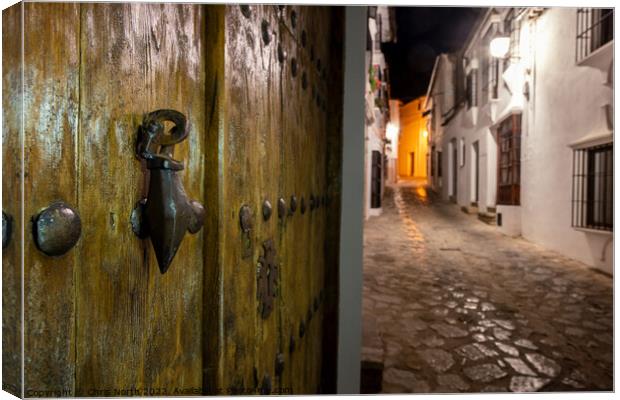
<point>451,305</point>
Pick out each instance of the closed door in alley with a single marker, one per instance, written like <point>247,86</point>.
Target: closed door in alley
<point>375,184</point>
<point>475,173</point>
<point>454,171</point>
<point>143,118</point>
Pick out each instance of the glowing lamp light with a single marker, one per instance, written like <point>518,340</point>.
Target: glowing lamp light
<point>391,131</point>
<point>499,46</point>
<point>424,133</point>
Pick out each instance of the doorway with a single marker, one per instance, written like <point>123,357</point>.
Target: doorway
<point>375,184</point>
<point>412,164</point>
<point>475,173</point>
<point>454,171</point>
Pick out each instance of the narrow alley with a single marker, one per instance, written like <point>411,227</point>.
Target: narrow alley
<point>451,305</point>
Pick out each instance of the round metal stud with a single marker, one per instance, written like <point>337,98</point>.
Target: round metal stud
<point>302,205</point>
<point>266,210</point>
<point>294,66</point>
<point>265,32</point>
<point>7,228</point>
<point>137,221</point>
<point>199,212</point>
<point>246,221</point>
<point>56,229</point>
<point>293,204</point>
<point>304,38</point>
<point>279,367</point>
<point>246,10</point>
<point>281,208</point>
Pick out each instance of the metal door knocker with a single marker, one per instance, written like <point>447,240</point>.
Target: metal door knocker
<point>166,213</point>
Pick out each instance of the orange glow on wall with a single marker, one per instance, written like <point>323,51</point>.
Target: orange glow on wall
<point>413,141</point>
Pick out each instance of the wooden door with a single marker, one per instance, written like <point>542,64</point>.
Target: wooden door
<point>476,167</point>
<point>258,85</point>
<point>454,170</point>
<point>375,180</point>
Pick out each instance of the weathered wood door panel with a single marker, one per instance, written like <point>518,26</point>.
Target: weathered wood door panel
<point>12,200</point>
<point>136,58</point>
<point>258,85</point>
<point>51,106</point>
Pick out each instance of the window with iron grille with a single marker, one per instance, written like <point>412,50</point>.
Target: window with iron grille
<point>378,37</point>
<point>595,27</point>
<point>512,25</point>
<point>471,90</point>
<point>494,79</point>
<point>509,161</point>
<point>433,157</point>
<point>593,188</point>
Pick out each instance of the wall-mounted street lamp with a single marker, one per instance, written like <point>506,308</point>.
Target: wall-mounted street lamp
<point>499,46</point>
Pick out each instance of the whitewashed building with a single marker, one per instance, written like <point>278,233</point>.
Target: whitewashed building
<point>526,133</point>
<point>380,30</point>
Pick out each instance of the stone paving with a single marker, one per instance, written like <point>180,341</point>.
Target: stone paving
<point>451,305</point>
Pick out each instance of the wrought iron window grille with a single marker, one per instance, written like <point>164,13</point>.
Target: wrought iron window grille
<point>595,28</point>
<point>592,191</point>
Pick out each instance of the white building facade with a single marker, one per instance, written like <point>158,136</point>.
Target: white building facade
<point>380,30</point>
<point>392,133</point>
<point>529,143</point>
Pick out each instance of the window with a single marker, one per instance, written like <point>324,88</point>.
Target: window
<point>494,79</point>
<point>593,187</point>
<point>489,73</point>
<point>594,29</point>
<point>512,25</point>
<point>439,164</point>
<point>462,152</point>
<point>378,37</point>
<point>471,89</point>
<point>433,157</point>
<point>509,161</point>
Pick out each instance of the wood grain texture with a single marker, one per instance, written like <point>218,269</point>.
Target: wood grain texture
<point>12,136</point>
<point>137,328</point>
<point>274,145</point>
<point>51,107</point>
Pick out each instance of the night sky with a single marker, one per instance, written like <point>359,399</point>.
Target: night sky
<point>422,34</point>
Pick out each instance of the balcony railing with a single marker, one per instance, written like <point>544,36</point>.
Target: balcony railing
<point>595,27</point>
